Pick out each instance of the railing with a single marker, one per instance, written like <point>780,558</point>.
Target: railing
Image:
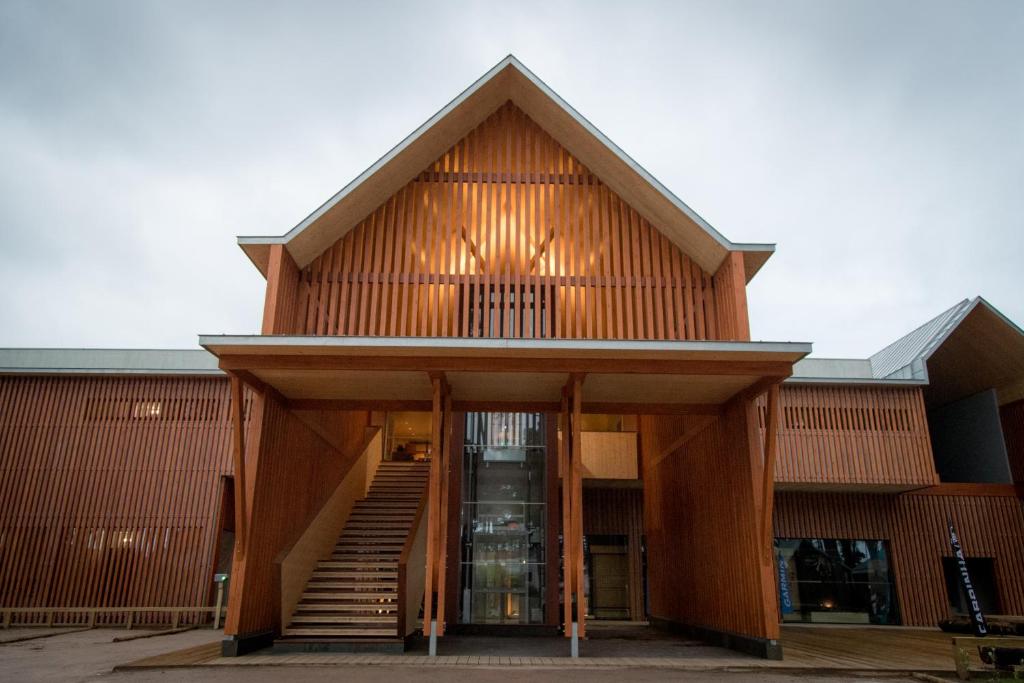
<point>51,612</point>
<point>411,584</point>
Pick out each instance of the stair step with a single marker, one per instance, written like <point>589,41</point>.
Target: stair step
<point>326,580</point>
<point>347,619</point>
<point>372,608</point>
<point>339,632</point>
<point>348,597</point>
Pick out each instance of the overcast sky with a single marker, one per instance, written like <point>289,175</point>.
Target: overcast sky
<point>879,144</point>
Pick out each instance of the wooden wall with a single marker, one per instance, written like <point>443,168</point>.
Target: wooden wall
<point>291,471</point>
<point>620,512</point>
<point>1012,416</point>
<point>110,490</point>
<point>508,235</point>
<point>853,435</point>
<point>915,526</point>
<point>708,564</point>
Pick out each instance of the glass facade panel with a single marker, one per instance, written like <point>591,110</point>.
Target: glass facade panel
<point>827,580</point>
<point>503,519</point>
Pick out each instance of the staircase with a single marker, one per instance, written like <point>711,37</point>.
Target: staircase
<point>352,598</point>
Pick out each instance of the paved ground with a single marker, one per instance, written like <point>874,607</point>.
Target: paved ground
<point>388,674</point>
<point>72,657</point>
<point>84,655</point>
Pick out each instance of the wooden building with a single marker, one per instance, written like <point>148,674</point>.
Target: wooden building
<point>505,383</point>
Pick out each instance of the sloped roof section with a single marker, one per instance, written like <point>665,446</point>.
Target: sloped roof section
<point>508,80</point>
<point>969,348</point>
<point>904,357</point>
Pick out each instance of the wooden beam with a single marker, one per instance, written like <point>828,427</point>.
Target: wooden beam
<point>771,370</point>
<point>238,427</point>
<point>424,406</point>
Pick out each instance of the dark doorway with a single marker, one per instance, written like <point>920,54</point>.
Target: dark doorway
<point>607,562</point>
<point>983,577</point>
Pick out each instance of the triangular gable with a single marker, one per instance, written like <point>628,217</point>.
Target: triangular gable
<point>509,80</point>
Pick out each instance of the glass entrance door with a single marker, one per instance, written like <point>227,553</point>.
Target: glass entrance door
<point>503,519</point>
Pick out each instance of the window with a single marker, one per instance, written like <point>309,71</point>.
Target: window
<point>830,580</point>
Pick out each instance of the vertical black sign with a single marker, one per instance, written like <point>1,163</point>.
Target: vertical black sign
<point>977,618</point>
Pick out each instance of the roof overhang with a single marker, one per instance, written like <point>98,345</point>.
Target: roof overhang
<point>508,80</point>
<point>393,373</point>
<point>983,350</point>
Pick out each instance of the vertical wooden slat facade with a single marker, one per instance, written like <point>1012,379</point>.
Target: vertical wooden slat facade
<point>851,435</point>
<point>706,567</point>
<point>508,235</point>
<point>110,490</point>
<point>915,527</point>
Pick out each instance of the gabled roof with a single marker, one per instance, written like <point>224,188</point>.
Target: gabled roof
<point>507,80</point>
<point>969,348</point>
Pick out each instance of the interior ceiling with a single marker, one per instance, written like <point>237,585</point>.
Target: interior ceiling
<point>391,385</point>
<point>982,353</point>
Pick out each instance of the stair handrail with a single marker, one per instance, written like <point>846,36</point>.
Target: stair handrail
<point>403,562</point>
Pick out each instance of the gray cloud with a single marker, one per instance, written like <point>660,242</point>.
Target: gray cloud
<point>881,145</point>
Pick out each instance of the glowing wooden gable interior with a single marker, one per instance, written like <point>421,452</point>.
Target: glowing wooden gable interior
<point>508,235</point>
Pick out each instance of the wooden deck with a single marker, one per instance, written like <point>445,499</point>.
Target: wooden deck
<point>806,649</point>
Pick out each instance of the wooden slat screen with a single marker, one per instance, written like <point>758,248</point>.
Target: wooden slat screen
<point>508,235</point>
<point>853,435</point>
<point>110,490</point>
<point>915,526</point>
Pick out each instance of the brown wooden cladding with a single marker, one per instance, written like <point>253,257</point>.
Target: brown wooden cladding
<point>620,512</point>
<point>291,471</point>
<point>110,490</point>
<point>706,566</point>
<point>508,235</point>
<point>915,526</point>
<point>853,435</point>
<point>1012,417</point>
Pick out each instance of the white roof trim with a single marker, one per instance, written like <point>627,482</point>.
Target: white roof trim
<point>108,362</point>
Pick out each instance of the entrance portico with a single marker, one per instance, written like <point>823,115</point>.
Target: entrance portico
<point>699,384</point>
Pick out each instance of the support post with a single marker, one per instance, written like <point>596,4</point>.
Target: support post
<point>434,512</point>
<point>567,554</point>
<point>577,504</point>
<point>770,449</point>
<point>238,426</point>
<point>446,474</point>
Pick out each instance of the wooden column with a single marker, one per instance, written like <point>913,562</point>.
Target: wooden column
<point>238,429</point>
<point>443,510</point>
<point>281,301</point>
<point>567,546</point>
<point>770,449</point>
<point>577,504</point>
<point>436,513</point>
<point>731,299</point>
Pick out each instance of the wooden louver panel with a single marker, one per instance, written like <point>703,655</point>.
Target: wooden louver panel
<point>853,435</point>
<point>508,235</point>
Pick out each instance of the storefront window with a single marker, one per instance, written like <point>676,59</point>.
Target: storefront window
<point>827,580</point>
